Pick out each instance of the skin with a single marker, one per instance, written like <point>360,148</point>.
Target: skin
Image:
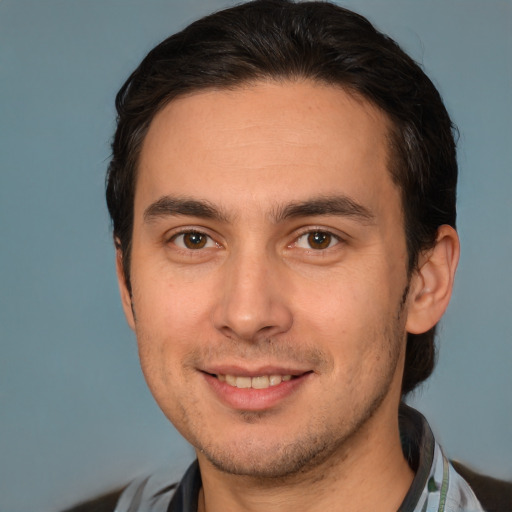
<point>228,276</point>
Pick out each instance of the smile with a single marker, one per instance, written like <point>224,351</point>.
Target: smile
<point>259,382</point>
<point>256,389</point>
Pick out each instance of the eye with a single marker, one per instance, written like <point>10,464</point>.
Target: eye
<point>193,240</point>
<point>316,240</point>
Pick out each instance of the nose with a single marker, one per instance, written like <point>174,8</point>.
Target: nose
<point>252,302</point>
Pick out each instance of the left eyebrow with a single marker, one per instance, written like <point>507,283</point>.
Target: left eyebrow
<point>336,205</point>
<point>170,206</point>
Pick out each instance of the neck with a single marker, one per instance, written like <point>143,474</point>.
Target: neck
<point>367,472</point>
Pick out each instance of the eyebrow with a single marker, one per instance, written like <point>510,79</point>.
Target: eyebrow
<point>336,205</point>
<point>168,205</point>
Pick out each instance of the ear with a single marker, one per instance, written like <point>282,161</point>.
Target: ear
<point>432,283</point>
<point>126,298</point>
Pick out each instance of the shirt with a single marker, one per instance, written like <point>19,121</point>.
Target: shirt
<point>436,487</point>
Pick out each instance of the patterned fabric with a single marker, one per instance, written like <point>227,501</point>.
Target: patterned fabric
<point>436,487</point>
<point>446,490</point>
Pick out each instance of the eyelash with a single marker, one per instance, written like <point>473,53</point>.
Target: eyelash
<point>332,240</point>
<point>184,232</point>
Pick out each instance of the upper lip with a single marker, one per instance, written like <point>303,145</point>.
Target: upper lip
<point>239,371</point>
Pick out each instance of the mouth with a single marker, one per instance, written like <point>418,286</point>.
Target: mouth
<point>255,390</point>
<point>253,387</point>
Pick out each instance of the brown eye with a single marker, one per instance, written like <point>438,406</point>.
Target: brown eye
<point>319,240</point>
<point>193,240</point>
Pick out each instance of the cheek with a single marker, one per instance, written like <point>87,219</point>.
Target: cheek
<point>168,316</point>
<point>351,315</point>
<point>342,300</point>
<point>168,301</point>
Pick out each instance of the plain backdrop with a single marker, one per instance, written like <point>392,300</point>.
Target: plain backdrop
<point>75,416</point>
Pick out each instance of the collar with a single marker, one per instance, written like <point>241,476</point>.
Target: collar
<point>436,487</point>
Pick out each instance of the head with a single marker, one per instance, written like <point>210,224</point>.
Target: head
<point>283,42</point>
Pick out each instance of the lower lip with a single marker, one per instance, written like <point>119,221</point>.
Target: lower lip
<point>250,399</point>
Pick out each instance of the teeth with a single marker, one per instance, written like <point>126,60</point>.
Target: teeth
<point>260,382</point>
<point>243,382</point>
<point>276,379</point>
<point>231,380</point>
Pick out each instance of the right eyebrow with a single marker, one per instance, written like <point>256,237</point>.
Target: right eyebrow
<point>169,206</point>
<point>342,206</point>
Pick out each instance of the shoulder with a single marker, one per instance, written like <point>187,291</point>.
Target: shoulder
<point>104,503</point>
<point>152,492</point>
<point>495,495</point>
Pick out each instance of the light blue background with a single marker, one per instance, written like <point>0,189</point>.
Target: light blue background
<point>75,416</point>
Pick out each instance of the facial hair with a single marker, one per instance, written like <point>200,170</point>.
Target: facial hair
<point>322,442</point>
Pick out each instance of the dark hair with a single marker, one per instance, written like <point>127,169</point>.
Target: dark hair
<point>319,41</point>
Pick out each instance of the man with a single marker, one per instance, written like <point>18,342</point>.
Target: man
<point>282,189</point>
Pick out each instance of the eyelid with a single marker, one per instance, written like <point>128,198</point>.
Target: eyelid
<point>171,237</point>
<point>338,237</point>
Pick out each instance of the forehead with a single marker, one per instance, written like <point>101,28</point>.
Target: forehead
<point>266,142</point>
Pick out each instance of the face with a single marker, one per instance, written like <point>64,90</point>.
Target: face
<point>268,274</point>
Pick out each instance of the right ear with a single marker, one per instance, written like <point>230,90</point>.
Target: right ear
<point>126,297</point>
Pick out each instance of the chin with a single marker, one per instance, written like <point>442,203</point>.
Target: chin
<point>269,462</point>
<point>272,453</point>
